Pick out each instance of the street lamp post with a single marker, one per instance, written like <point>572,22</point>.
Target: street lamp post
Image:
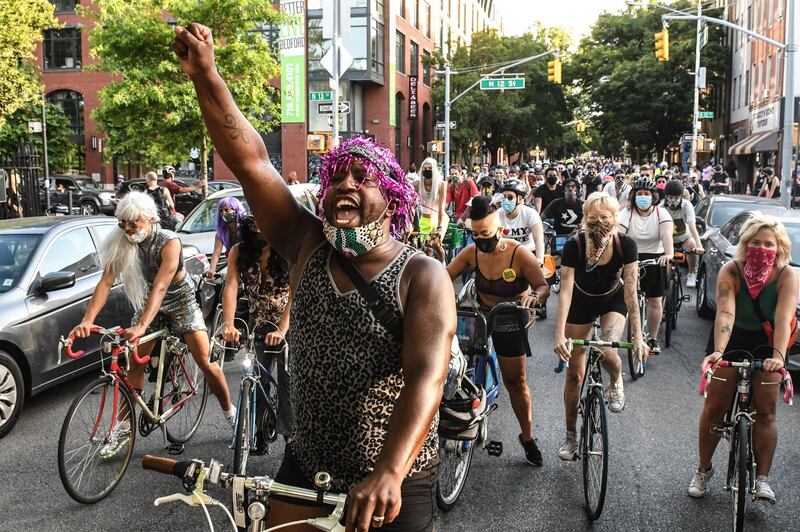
<point>696,107</point>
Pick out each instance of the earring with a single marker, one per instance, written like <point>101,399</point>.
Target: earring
<point>502,245</point>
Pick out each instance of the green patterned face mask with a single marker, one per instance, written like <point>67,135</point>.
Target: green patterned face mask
<point>354,241</point>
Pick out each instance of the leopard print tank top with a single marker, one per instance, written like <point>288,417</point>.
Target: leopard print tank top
<point>346,374</point>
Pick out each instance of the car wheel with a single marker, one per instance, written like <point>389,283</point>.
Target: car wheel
<point>89,208</point>
<point>703,309</point>
<point>12,393</point>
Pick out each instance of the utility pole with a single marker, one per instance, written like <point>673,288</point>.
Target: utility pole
<point>46,161</point>
<point>447,105</point>
<point>696,107</point>
<point>788,104</point>
<point>335,87</point>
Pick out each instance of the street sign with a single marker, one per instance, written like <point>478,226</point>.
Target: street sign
<point>345,60</point>
<point>701,78</point>
<point>705,114</point>
<point>488,84</point>
<point>327,108</point>
<point>440,125</point>
<point>320,96</point>
<point>34,127</point>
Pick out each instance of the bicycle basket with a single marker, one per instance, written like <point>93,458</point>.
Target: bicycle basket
<point>460,417</point>
<point>471,332</point>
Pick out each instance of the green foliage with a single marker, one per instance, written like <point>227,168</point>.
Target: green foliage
<point>61,150</point>
<point>150,112</point>
<point>21,26</point>
<point>626,95</point>
<point>516,120</point>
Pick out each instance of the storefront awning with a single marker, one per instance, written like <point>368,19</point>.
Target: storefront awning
<point>766,141</point>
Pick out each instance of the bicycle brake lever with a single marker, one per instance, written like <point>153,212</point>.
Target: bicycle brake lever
<point>175,497</point>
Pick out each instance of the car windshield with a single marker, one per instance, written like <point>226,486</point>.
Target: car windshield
<point>88,183</point>
<point>721,212</point>
<point>204,217</point>
<point>794,237</point>
<point>15,251</point>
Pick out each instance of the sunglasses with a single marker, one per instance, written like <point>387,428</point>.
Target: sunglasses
<point>125,223</point>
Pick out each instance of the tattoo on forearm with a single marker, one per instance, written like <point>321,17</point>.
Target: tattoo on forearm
<point>236,131</point>
<point>725,329</point>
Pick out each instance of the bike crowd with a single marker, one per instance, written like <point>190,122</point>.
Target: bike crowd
<point>355,311</point>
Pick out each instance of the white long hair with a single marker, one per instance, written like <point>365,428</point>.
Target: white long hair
<point>436,181</point>
<point>121,256</point>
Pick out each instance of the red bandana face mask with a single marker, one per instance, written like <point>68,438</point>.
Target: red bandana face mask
<point>757,267</point>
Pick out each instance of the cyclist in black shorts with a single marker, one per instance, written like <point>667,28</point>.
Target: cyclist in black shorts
<point>599,270</point>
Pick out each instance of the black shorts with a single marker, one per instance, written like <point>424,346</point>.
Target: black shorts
<point>755,342</point>
<point>654,278</point>
<point>585,308</point>
<point>507,338</point>
<point>418,494</point>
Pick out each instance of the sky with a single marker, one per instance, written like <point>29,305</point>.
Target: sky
<point>577,16</point>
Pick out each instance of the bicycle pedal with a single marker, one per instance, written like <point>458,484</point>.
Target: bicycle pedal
<point>494,448</point>
<point>687,298</point>
<point>175,449</point>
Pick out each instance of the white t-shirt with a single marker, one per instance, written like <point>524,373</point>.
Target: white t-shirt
<point>623,198</point>
<point>519,228</point>
<point>646,231</point>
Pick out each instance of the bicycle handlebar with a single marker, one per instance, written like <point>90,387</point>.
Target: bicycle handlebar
<point>160,464</point>
<point>99,330</point>
<point>786,378</point>
<point>590,343</point>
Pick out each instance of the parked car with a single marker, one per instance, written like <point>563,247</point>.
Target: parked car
<point>184,201</point>
<point>49,269</point>
<point>713,211</point>
<point>87,195</point>
<point>216,186</point>
<point>720,248</point>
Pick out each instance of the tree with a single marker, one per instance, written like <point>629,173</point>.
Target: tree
<point>150,112</point>
<point>626,95</point>
<point>62,152</point>
<point>22,24</point>
<point>516,120</point>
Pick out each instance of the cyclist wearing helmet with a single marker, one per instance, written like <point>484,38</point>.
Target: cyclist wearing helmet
<point>549,191</point>
<point>650,226</point>
<point>685,229</point>
<point>521,223</point>
<point>173,187</point>
<point>720,182</point>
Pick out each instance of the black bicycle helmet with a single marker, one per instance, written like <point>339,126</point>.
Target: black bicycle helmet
<point>644,183</point>
<point>486,182</point>
<point>514,185</point>
<point>673,188</point>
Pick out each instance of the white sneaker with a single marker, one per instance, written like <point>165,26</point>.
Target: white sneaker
<point>698,487</point>
<point>615,394</point>
<point>691,280</point>
<point>231,416</point>
<point>117,440</point>
<point>763,492</point>
<point>569,449</point>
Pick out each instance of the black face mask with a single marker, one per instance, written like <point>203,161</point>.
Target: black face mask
<point>552,180</point>
<point>427,174</point>
<point>229,217</point>
<point>486,245</point>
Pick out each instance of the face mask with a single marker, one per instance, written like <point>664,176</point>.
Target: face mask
<point>674,204</point>
<point>619,181</point>
<point>229,217</point>
<point>427,174</point>
<point>354,241</point>
<point>508,205</point>
<point>570,197</point>
<point>643,202</point>
<point>552,180</point>
<point>486,245</point>
<point>758,264</point>
<point>137,237</point>
<point>661,186</point>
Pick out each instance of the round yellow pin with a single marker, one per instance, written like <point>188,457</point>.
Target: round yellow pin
<point>509,275</point>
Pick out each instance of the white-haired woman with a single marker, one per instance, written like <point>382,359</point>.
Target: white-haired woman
<point>599,271</point>
<point>757,284</point>
<point>148,260</point>
<point>432,192</point>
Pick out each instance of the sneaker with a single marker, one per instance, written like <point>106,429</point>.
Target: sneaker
<point>569,449</point>
<point>655,349</point>
<point>231,416</point>
<point>698,487</point>
<point>763,492</point>
<point>532,453</point>
<point>691,280</point>
<point>117,440</point>
<point>615,394</point>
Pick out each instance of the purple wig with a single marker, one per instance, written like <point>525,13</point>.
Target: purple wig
<point>222,228</point>
<point>380,163</point>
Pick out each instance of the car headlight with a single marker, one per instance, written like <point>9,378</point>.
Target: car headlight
<point>106,197</point>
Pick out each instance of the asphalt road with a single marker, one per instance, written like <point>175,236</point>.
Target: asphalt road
<point>653,456</point>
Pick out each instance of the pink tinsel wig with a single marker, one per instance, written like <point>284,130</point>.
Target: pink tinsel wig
<point>380,163</point>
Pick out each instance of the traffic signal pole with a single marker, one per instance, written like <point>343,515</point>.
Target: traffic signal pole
<point>696,108</point>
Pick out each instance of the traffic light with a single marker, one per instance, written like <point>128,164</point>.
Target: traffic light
<point>580,127</point>
<point>662,45</point>
<point>554,71</point>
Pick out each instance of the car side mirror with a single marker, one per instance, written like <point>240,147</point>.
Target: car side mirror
<point>730,252</point>
<point>56,281</point>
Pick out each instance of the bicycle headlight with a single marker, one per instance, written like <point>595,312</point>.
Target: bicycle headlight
<point>256,511</point>
<point>247,362</point>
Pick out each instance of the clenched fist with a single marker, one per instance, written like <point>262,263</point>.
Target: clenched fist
<point>194,46</point>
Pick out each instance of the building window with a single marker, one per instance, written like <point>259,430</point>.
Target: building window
<point>270,34</point>
<point>400,51</point>
<point>65,6</point>
<point>413,13</point>
<point>62,49</point>
<point>71,103</point>
<point>427,21</point>
<point>377,7</point>
<point>403,9</point>
<point>356,43</point>
<point>398,129</point>
<point>376,47</point>
<point>426,69</point>
<point>413,67</point>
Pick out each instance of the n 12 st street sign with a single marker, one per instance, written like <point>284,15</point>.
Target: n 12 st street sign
<point>327,108</point>
<point>488,84</point>
<point>705,114</point>
<point>320,96</point>
<point>440,125</point>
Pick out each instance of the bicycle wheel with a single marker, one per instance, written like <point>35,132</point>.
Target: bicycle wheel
<point>184,385</point>
<point>635,362</point>
<point>242,433</point>
<point>739,482</point>
<point>677,297</point>
<point>669,310</point>
<point>594,450</point>
<point>217,349</point>
<point>455,459</point>
<point>93,456</point>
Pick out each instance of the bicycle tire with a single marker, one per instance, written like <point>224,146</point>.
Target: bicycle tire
<point>181,376</point>
<point>79,451</point>
<point>677,297</point>
<point>635,366</point>
<point>669,309</point>
<point>242,437</point>
<point>453,479</point>
<point>740,484</point>
<point>217,355</point>
<point>594,442</point>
